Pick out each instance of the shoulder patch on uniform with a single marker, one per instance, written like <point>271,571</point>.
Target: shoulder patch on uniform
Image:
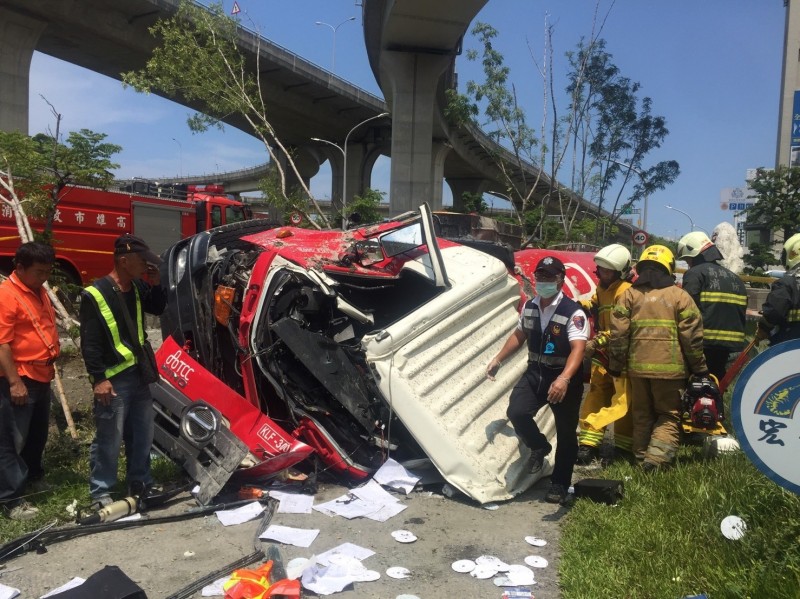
<point>578,321</point>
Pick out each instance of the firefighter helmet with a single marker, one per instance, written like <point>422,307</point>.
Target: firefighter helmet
<point>692,244</point>
<point>660,255</point>
<point>614,257</point>
<point>791,251</point>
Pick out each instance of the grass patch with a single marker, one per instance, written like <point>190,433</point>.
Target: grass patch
<point>663,540</point>
<point>66,463</point>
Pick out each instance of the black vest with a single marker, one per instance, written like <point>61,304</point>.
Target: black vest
<point>548,350</point>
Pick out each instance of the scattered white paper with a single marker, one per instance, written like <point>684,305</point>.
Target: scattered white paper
<point>240,514</point>
<point>386,511</point>
<point>8,592</point>
<point>342,569</point>
<point>215,589</point>
<point>348,506</point>
<point>348,549</point>
<point>395,476</point>
<point>372,492</point>
<point>299,537</point>
<point>293,503</point>
<point>75,582</point>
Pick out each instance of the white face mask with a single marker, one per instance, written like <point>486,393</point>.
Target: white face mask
<point>546,290</point>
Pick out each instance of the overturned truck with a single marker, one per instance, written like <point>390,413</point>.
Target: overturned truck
<point>281,344</point>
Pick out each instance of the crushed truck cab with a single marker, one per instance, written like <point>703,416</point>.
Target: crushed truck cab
<point>355,345</point>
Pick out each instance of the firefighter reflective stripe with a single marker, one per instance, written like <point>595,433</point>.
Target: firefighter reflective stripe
<point>722,335</point>
<point>719,296</point>
<point>675,364</point>
<point>621,311</point>
<point>558,319</point>
<point>793,315</point>
<point>128,359</point>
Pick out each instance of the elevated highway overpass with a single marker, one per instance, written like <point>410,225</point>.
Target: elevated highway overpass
<point>411,45</point>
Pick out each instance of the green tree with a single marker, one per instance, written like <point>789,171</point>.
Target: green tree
<point>615,132</point>
<point>36,170</point>
<point>474,202</point>
<point>604,123</point>
<point>777,205</point>
<point>759,256</point>
<point>198,59</point>
<point>365,209</point>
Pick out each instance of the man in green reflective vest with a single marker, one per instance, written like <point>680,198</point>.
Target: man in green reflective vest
<point>112,335</point>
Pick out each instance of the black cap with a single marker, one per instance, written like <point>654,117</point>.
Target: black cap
<point>130,244</point>
<point>550,266</point>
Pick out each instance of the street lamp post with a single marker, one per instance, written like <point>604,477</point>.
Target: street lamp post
<point>343,150</point>
<point>497,194</point>
<point>686,214</point>
<point>180,156</point>
<point>334,29</point>
<point>641,176</point>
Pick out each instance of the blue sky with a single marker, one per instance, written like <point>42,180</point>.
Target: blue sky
<point>712,68</point>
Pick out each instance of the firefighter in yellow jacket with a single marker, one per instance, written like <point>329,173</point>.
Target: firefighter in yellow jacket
<point>606,401</point>
<point>657,332</point>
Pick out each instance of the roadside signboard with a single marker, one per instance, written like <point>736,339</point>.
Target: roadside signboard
<point>295,218</point>
<point>640,237</point>
<point>764,405</point>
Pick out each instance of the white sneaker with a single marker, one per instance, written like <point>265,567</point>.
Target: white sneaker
<point>23,511</point>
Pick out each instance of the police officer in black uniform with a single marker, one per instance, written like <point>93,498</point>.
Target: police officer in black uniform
<point>721,297</point>
<point>556,331</point>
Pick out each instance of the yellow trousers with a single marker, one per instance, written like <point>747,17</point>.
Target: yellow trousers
<point>607,401</point>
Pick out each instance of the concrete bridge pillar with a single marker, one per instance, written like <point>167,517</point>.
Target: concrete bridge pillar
<point>18,37</point>
<point>307,164</point>
<point>461,185</point>
<point>360,160</point>
<point>414,80</point>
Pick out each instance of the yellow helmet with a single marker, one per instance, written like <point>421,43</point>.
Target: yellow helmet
<point>791,251</point>
<point>661,255</point>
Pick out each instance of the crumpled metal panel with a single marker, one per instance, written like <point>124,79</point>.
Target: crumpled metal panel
<point>432,368</point>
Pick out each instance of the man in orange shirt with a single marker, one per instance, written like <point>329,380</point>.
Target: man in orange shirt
<point>28,347</point>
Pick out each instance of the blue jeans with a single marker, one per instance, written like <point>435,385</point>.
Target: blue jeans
<point>128,418</point>
<point>23,436</point>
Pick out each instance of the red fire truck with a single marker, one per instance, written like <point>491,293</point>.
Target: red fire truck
<point>88,220</point>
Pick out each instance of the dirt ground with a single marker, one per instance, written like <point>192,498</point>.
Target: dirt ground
<point>167,557</point>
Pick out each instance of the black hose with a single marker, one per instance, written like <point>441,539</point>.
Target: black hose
<point>39,540</point>
<point>257,556</point>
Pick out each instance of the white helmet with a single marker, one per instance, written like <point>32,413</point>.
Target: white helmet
<point>692,244</point>
<point>791,251</point>
<point>614,257</point>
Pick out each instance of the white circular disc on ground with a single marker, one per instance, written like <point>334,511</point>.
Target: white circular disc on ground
<point>520,575</point>
<point>733,527</point>
<point>398,572</point>
<point>503,581</point>
<point>536,561</point>
<point>483,571</point>
<point>295,567</point>
<point>535,541</point>
<point>406,597</point>
<point>490,560</point>
<point>463,565</point>
<point>404,536</point>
